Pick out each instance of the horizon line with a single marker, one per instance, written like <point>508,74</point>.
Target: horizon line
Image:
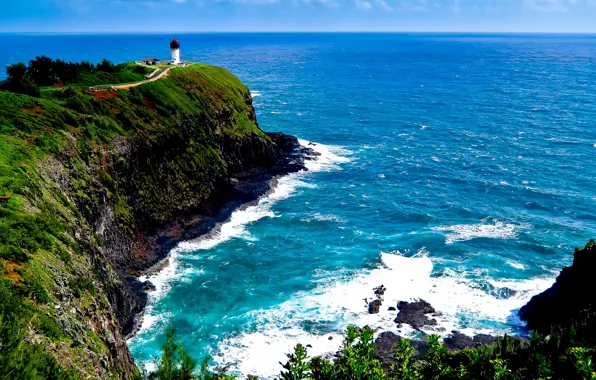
<point>306,32</point>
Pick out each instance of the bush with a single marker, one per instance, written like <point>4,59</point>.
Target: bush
<point>540,358</point>
<point>176,364</point>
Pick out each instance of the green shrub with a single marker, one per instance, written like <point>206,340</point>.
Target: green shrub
<point>35,289</point>
<point>80,284</point>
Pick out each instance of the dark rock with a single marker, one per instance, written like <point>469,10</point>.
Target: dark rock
<point>379,291</point>
<point>420,305</point>
<point>458,341</point>
<point>374,306</point>
<point>569,299</point>
<point>386,341</point>
<point>414,314</point>
<point>484,339</point>
<point>385,348</point>
<point>330,338</point>
<point>148,286</point>
<point>391,308</point>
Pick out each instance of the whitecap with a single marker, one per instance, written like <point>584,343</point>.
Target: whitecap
<point>516,265</point>
<point>255,94</point>
<point>329,157</point>
<point>494,229</point>
<point>331,217</point>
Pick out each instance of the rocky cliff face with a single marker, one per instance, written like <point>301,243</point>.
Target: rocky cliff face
<point>113,181</point>
<point>570,304</point>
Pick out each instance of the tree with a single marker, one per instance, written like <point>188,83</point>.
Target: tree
<point>20,80</point>
<point>43,71</point>
<point>175,363</point>
<point>106,66</point>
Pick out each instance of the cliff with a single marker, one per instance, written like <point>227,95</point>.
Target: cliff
<point>97,186</point>
<point>568,308</point>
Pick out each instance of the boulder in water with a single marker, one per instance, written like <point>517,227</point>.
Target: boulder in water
<point>374,306</point>
<point>414,314</point>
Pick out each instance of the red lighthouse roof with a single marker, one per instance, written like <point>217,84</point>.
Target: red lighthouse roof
<point>175,40</point>
<point>175,44</point>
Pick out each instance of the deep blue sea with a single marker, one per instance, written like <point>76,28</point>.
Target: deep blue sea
<point>460,169</point>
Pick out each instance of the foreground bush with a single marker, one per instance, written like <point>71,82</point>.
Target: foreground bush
<point>176,364</point>
<point>509,358</point>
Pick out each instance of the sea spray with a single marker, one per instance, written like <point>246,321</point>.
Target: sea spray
<point>317,318</point>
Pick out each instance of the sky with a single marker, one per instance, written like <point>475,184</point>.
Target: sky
<point>71,16</point>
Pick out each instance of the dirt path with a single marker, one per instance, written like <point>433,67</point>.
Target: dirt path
<point>163,73</point>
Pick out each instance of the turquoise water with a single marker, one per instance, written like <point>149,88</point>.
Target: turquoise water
<point>455,168</point>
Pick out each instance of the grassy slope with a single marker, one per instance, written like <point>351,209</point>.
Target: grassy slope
<point>44,239</point>
<point>124,73</point>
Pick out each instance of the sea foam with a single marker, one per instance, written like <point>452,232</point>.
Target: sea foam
<point>326,158</point>
<point>315,316</point>
<point>488,228</point>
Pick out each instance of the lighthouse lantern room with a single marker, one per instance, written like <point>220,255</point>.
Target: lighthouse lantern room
<point>175,47</point>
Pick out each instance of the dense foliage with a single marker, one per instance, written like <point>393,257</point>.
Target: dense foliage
<point>510,358</point>
<point>44,71</point>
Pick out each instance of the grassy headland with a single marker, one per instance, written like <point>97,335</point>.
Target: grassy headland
<point>84,175</point>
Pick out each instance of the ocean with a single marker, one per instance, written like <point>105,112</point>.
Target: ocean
<point>456,168</point>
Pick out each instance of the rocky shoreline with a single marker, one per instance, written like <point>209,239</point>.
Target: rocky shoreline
<point>245,188</point>
<point>418,314</point>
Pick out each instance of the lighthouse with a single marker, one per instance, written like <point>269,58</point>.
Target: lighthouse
<point>175,47</point>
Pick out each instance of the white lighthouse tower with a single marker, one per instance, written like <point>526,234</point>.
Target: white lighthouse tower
<point>175,47</point>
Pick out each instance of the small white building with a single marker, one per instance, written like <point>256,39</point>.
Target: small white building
<point>149,61</point>
<point>175,48</point>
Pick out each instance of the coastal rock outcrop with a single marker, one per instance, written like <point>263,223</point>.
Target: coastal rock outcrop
<point>457,341</point>
<point>569,301</point>
<point>386,342</point>
<point>415,314</point>
<point>375,305</point>
<point>385,348</point>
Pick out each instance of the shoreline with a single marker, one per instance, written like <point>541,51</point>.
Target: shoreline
<point>246,191</point>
